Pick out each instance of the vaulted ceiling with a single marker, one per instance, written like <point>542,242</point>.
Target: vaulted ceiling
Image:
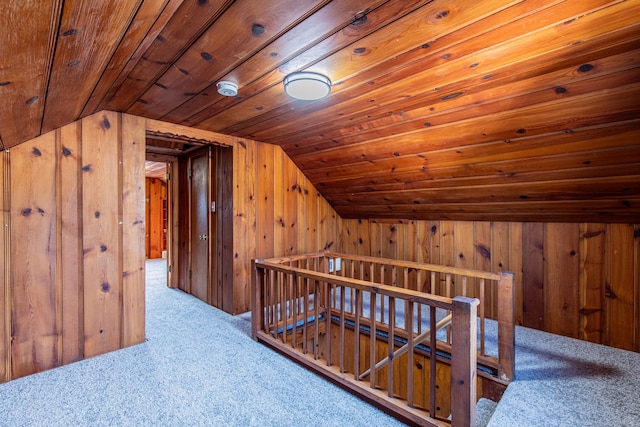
<point>485,110</point>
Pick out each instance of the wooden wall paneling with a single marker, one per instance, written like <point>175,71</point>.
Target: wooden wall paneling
<point>463,250</point>
<point>291,196</point>
<point>241,235</point>
<point>301,209</point>
<point>241,299</point>
<point>561,278</point>
<point>278,202</point>
<point>265,215</point>
<point>326,227</point>
<point>69,150</point>
<point>173,226</point>
<point>515,248</point>
<point>312,200</point>
<point>133,213</point>
<point>101,206</point>
<point>184,225</point>
<point>619,286</point>
<point>5,269</point>
<point>349,241</point>
<point>35,288</point>
<point>592,289</point>
<point>225,218</point>
<point>533,275</point>
<point>31,48</point>
<point>484,252</point>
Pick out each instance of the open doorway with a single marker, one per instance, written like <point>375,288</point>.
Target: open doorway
<point>194,207</point>
<point>156,210</point>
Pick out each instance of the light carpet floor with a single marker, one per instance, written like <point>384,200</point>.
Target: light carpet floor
<point>199,367</point>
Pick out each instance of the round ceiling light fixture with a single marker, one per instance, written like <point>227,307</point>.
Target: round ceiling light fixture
<point>227,88</point>
<point>307,86</point>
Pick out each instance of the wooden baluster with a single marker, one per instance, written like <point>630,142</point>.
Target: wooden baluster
<point>432,285</point>
<point>327,321</point>
<point>283,306</point>
<point>410,352</point>
<point>293,308</point>
<point>317,298</point>
<point>372,342</point>
<point>356,350</point>
<point>448,295</point>
<point>432,361</point>
<point>481,315</point>
<point>305,324</point>
<point>391,345</point>
<point>342,325</point>
<point>382,269</point>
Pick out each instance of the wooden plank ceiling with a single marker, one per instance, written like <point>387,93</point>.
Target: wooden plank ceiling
<point>488,110</point>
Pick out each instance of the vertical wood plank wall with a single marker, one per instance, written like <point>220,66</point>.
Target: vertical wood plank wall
<point>577,280</point>
<point>276,212</point>
<point>74,283</point>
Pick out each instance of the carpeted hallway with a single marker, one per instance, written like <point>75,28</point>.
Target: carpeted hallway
<point>199,367</point>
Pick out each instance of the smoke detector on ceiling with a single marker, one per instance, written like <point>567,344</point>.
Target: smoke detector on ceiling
<point>227,88</point>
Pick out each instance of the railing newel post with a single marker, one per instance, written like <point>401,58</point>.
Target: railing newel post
<point>463,361</point>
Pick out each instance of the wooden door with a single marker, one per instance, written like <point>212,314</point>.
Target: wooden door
<point>200,225</point>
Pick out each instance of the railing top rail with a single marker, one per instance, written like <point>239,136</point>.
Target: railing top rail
<point>392,262</point>
<point>417,265</point>
<point>391,291</point>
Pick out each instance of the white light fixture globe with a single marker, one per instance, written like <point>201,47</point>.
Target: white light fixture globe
<point>307,86</point>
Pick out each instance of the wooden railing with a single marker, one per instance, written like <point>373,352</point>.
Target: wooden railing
<point>335,314</point>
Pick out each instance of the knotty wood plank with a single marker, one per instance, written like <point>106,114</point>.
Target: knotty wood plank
<point>181,30</point>
<point>89,34</point>
<point>561,276</point>
<point>243,29</point>
<point>101,209</point>
<point>619,286</point>
<point>496,154</point>
<point>515,266</point>
<point>449,50</point>
<point>364,238</point>
<point>132,141</point>
<point>349,241</point>
<point>569,189</point>
<point>241,193</point>
<point>5,263</point>
<point>36,331</point>
<point>69,152</point>
<point>225,219</point>
<point>148,21</point>
<point>533,275</point>
<point>292,191</point>
<point>592,283</point>
<point>483,254</point>
<point>541,119</point>
<point>216,116</point>
<point>24,81</point>
<point>320,33</point>
<point>265,220</point>
<point>242,290</point>
<point>278,202</point>
<point>463,251</point>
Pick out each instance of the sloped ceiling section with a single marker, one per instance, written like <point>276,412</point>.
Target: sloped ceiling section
<point>489,110</point>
